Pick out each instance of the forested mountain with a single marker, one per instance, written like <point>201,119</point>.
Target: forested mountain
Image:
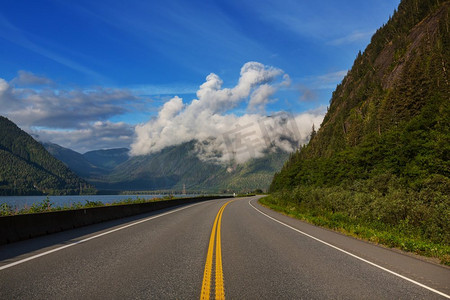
<point>27,168</point>
<point>390,115</point>
<point>382,153</point>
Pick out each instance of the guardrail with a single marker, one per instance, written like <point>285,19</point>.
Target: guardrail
<point>26,226</point>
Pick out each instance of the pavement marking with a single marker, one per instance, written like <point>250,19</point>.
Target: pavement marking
<point>206,283</point>
<point>353,255</point>
<point>220,290</point>
<point>207,273</point>
<point>91,238</point>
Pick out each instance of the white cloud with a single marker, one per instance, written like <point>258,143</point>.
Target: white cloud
<point>99,135</point>
<point>74,118</point>
<point>4,86</point>
<point>26,78</point>
<point>221,134</point>
<point>260,97</point>
<point>46,107</point>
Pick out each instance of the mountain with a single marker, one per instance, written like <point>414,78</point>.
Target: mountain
<point>74,161</point>
<point>172,168</point>
<point>107,159</point>
<point>92,164</point>
<point>382,153</point>
<point>178,166</point>
<point>390,113</point>
<point>28,169</point>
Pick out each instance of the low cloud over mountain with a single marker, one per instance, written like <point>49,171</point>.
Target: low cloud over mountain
<point>222,133</point>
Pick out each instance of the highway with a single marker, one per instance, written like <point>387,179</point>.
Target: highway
<point>228,248</point>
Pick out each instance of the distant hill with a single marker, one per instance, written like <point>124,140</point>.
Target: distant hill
<point>179,165</point>
<point>92,164</point>
<point>170,169</point>
<point>74,161</point>
<point>28,169</point>
<point>108,158</point>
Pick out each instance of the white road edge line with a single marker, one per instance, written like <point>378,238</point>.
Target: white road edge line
<point>91,238</point>
<point>353,255</point>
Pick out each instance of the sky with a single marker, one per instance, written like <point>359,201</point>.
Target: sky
<point>150,74</point>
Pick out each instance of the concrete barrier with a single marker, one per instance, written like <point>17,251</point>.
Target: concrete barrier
<point>21,227</point>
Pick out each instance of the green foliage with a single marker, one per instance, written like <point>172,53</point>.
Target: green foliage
<point>43,206</point>
<point>246,195</point>
<point>416,152</point>
<point>93,203</point>
<point>6,209</point>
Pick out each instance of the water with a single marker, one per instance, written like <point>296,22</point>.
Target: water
<point>19,202</point>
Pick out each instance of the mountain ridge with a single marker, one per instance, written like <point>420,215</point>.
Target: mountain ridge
<point>27,168</point>
<point>364,114</point>
<point>173,168</point>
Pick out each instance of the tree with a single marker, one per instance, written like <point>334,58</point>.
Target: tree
<point>313,133</point>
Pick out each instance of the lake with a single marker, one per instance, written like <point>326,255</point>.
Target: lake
<point>19,202</point>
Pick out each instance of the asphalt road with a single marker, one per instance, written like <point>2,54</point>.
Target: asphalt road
<point>162,255</point>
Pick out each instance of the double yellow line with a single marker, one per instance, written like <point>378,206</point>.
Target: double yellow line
<point>207,274</point>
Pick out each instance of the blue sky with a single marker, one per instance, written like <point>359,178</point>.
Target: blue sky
<point>87,72</point>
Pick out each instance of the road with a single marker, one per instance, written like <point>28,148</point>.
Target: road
<point>238,251</point>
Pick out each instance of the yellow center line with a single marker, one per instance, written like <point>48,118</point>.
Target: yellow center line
<point>207,274</point>
<point>220,292</point>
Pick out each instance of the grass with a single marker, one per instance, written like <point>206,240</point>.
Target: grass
<point>246,195</point>
<point>376,232</point>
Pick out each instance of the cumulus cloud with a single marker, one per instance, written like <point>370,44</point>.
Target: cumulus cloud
<point>68,109</point>
<point>74,118</point>
<point>260,97</point>
<point>4,87</point>
<point>59,108</point>
<point>222,135</point>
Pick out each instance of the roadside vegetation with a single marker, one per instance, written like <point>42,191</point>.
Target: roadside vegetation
<point>416,222</point>
<point>47,206</point>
